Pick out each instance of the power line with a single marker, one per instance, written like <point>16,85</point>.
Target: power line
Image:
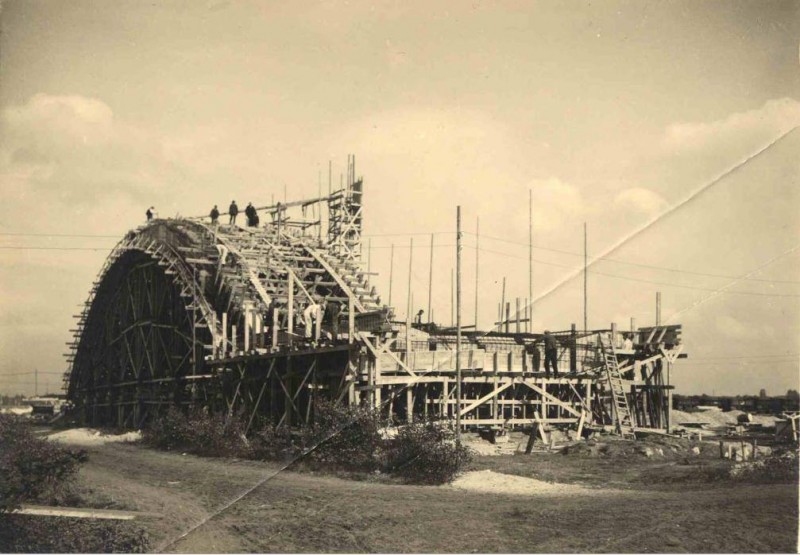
<point>747,357</point>
<point>57,235</point>
<point>650,266</point>
<point>21,248</point>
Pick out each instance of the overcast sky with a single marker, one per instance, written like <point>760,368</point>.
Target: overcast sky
<point>610,112</point>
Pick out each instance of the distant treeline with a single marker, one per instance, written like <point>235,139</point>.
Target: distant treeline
<point>761,403</point>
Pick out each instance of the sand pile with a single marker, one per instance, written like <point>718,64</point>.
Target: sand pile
<point>87,437</point>
<point>488,481</point>
<point>19,411</point>
<point>718,419</point>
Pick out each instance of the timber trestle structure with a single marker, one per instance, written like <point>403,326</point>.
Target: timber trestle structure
<point>190,313</point>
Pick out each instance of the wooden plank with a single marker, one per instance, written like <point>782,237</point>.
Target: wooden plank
<point>80,512</point>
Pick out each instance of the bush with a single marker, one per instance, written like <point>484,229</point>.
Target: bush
<point>340,437</point>
<point>426,453</point>
<point>32,468</point>
<point>200,433</point>
<point>344,437</point>
<point>28,534</point>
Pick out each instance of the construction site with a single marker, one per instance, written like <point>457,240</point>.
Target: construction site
<point>268,320</point>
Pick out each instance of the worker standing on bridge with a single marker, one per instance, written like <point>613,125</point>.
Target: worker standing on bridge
<point>150,213</point>
<point>233,211</point>
<point>550,354</point>
<point>250,212</point>
<point>332,311</point>
<point>310,316</point>
<point>536,357</point>
<point>214,215</point>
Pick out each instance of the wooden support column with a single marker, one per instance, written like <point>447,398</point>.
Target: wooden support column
<point>224,334</point>
<point>246,330</point>
<point>351,320</point>
<point>573,349</point>
<point>508,317</point>
<point>516,315</point>
<point>290,313</point>
<point>409,404</point>
<point>235,349</point>
<point>274,329</point>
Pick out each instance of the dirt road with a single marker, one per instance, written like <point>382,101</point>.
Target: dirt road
<point>300,512</point>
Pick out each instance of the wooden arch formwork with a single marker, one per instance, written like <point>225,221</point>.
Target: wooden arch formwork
<point>188,313</point>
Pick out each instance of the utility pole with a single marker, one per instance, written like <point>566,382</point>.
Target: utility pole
<point>585,281</point>
<point>458,324</point>
<point>658,308</point>
<point>529,323</point>
<point>408,306</point>
<point>477,265</point>
<point>502,305</point>
<point>391,273</point>
<point>452,298</point>
<point>369,255</point>
<point>36,382</point>
<point>430,281</point>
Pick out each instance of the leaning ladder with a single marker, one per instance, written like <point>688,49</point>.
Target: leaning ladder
<point>621,409</point>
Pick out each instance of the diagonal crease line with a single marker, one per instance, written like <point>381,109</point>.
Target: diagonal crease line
<point>686,200</point>
<point>694,194</point>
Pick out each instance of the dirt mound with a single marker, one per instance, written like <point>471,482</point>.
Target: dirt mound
<point>488,481</point>
<point>649,447</point>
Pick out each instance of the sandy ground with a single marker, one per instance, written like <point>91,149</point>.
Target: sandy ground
<point>86,437</point>
<point>303,512</point>
<point>488,481</point>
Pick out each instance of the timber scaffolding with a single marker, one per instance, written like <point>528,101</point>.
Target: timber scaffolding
<point>189,313</point>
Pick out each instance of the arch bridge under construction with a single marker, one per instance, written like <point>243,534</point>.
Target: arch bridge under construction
<point>185,312</point>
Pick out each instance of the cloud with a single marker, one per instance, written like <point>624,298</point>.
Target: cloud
<point>740,131</point>
<point>72,148</point>
<point>732,328</point>
<point>640,201</point>
<point>562,204</point>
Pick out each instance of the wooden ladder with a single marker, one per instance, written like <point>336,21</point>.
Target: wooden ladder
<point>621,409</point>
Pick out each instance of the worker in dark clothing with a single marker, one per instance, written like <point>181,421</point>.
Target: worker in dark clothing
<point>233,211</point>
<point>536,356</point>
<point>149,213</point>
<point>332,311</point>
<point>418,319</point>
<point>250,212</point>
<point>550,354</point>
<point>214,215</point>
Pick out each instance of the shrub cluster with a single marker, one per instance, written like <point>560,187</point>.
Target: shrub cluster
<point>426,453</point>
<point>197,432</point>
<point>32,468</point>
<point>30,534</point>
<point>342,438</point>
